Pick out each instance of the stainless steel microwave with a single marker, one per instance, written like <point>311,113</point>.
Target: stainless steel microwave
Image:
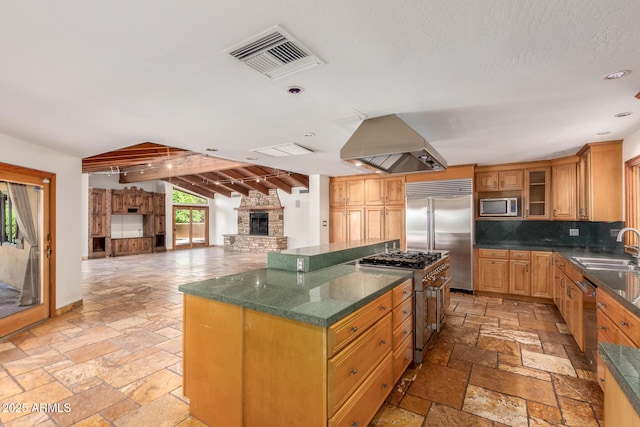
<point>505,206</point>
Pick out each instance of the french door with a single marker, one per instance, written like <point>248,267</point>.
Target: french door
<point>27,208</point>
<point>190,227</point>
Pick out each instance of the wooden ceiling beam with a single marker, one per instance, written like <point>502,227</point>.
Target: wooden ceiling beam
<point>249,181</point>
<point>188,186</point>
<point>188,165</point>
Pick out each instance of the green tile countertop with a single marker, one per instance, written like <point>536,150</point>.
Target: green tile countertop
<point>320,297</point>
<point>322,256</point>
<point>624,364</point>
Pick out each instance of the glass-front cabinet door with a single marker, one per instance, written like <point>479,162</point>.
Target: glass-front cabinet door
<point>537,198</point>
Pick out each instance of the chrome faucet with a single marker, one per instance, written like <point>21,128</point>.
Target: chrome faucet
<point>636,247</point>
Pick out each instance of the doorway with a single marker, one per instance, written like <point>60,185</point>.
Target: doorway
<point>27,289</point>
<point>190,226</point>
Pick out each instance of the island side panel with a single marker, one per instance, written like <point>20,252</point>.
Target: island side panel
<point>285,372</point>
<point>212,366</point>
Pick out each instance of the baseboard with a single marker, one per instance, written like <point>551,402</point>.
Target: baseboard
<point>68,307</point>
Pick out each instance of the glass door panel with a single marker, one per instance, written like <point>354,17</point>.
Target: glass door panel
<point>24,250</point>
<point>190,227</point>
<point>198,226</point>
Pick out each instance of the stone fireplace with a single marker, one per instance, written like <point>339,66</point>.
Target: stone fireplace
<point>260,224</point>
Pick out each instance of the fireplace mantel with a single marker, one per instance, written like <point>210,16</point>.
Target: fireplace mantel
<point>266,208</point>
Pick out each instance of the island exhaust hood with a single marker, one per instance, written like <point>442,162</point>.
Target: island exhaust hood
<point>389,145</point>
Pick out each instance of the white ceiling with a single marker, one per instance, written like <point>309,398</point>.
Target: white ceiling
<point>489,81</point>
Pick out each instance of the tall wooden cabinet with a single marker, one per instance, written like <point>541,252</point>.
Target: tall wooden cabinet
<point>367,208</point>
<point>98,224</point>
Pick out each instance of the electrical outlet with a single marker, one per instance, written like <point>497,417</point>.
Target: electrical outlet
<point>614,232</point>
<point>574,232</point>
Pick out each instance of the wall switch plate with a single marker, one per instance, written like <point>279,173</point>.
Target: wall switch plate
<point>574,232</point>
<point>300,265</point>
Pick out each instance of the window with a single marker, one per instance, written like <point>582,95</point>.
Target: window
<point>632,198</point>
<point>182,198</point>
<point>9,230</point>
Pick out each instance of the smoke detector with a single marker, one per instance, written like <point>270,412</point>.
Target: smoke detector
<point>275,54</point>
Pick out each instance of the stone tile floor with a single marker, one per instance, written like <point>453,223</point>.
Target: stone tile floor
<point>117,360</point>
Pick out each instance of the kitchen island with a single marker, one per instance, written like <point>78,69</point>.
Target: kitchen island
<point>272,347</point>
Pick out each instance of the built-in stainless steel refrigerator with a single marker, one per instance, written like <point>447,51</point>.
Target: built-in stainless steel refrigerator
<point>440,217</point>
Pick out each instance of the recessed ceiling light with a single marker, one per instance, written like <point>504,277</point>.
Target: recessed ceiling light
<point>310,134</point>
<point>603,133</point>
<point>616,75</point>
<point>211,149</point>
<point>252,158</point>
<point>295,90</point>
<point>625,114</point>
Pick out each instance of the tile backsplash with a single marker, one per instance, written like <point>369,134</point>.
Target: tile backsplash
<point>596,236</point>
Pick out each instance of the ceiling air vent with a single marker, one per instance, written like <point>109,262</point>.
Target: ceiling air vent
<point>275,54</point>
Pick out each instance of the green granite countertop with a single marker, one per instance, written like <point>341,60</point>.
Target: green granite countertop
<point>624,364</point>
<point>321,256</point>
<point>320,297</point>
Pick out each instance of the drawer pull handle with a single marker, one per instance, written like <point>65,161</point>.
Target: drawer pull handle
<point>354,371</point>
<point>623,323</point>
<point>385,385</point>
<point>383,342</point>
<point>405,292</point>
<point>355,424</point>
<point>383,307</point>
<point>405,312</point>
<point>601,380</point>
<point>354,328</point>
<point>602,328</point>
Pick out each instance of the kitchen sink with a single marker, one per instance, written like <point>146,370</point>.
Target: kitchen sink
<point>612,264</point>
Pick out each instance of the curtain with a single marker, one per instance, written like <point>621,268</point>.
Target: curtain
<point>31,285</point>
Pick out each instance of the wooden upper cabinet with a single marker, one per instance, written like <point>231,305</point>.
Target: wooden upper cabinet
<point>600,182</point>
<point>564,198</point>
<point>537,193</point>
<point>346,192</point>
<point>384,191</point>
<point>98,201</point>
<point>117,201</point>
<point>499,180</point>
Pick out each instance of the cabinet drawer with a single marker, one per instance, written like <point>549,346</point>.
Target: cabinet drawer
<point>493,253</point>
<point>607,305</point>
<point>350,367</point>
<point>629,325</point>
<point>402,312</point>
<point>514,254</point>
<point>402,357</point>
<point>404,330</point>
<point>607,330</point>
<point>344,331</point>
<point>402,292</point>
<point>360,409</point>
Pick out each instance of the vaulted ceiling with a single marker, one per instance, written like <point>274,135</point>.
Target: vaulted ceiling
<point>194,172</point>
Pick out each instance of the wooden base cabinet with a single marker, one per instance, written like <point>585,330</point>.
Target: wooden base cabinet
<point>247,368</point>
<point>616,325</point>
<point>618,411</point>
<point>493,270</point>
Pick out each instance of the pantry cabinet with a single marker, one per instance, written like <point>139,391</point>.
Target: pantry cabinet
<point>367,208</point>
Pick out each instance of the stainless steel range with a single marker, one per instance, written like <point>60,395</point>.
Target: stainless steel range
<point>431,277</point>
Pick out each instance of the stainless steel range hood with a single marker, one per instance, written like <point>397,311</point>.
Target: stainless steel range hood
<point>390,145</point>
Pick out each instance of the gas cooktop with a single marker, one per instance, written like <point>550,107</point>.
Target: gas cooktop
<point>401,259</point>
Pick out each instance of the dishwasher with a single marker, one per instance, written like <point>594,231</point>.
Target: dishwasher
<point>590,322</point>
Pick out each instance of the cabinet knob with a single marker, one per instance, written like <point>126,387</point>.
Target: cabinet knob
<point>601,380</point>
<point>354,328</point>
<point>405,292</point>
<point>405,332</point>
<point>623,323</point>
<point>405,312</point>
<point>383,307</point>
<point>355,424</point>
<point>602,328</point>
<point>383,342</point>
<point>354,371</point>
<point>385,385</point>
